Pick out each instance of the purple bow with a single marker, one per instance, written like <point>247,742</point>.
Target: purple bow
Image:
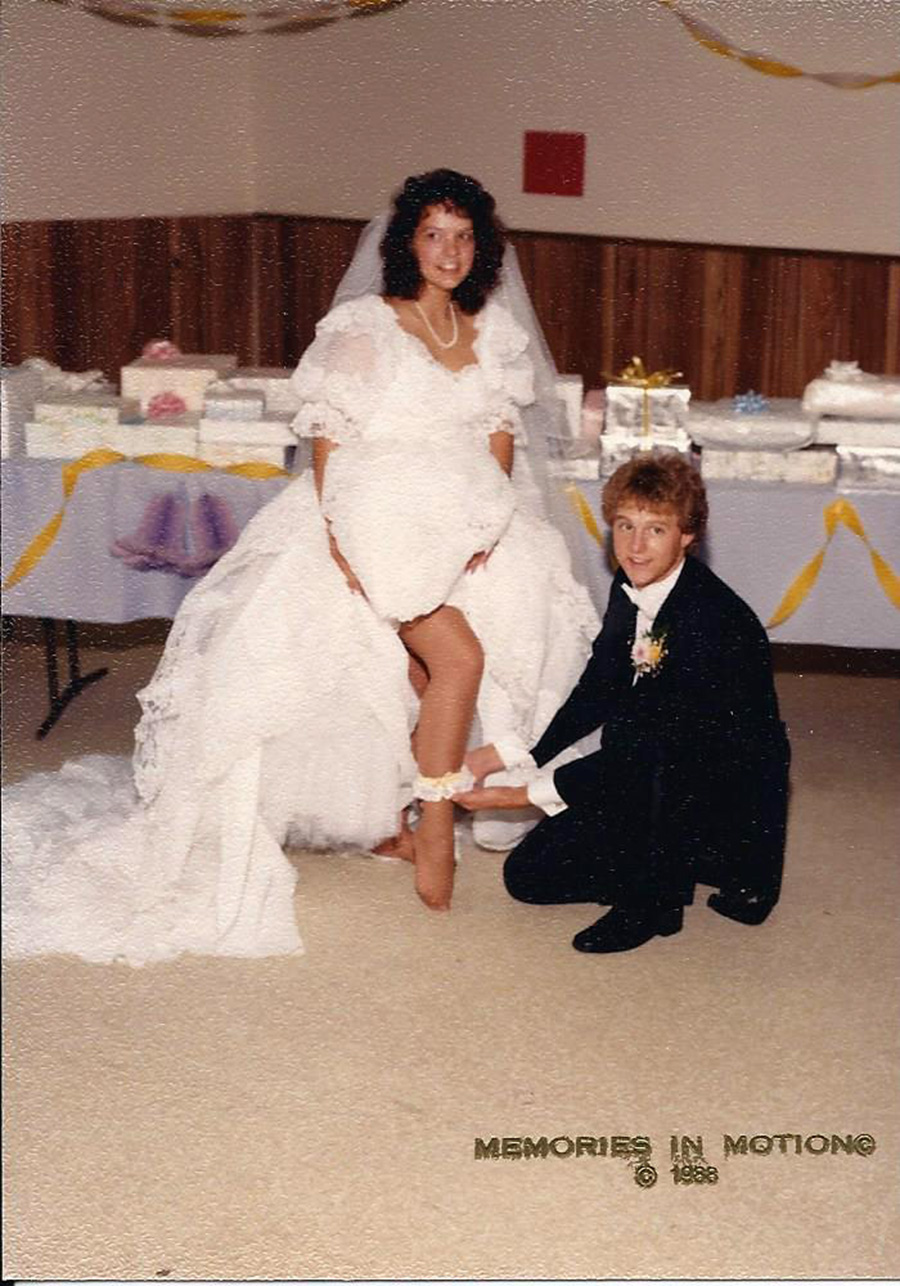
<point>160,542</point>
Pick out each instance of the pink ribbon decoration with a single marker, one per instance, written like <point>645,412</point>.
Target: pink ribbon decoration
<point>163,406</point>
<point>160,350</point>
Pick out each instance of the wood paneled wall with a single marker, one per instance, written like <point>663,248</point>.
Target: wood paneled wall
<point>89,293</point>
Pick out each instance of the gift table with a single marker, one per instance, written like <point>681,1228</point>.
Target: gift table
<point>761,538</point>
<point>78,578</point>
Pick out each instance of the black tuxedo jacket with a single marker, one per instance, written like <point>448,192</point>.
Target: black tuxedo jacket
<point>691,777</point>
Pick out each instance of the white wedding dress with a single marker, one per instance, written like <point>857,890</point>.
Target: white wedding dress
<point>281,711</point>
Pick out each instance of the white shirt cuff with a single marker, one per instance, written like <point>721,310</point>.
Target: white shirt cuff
<point>543,794</point>
<point>513,752</point>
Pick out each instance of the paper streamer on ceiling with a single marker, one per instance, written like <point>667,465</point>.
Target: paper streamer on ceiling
<point>230,17</point>
<point>713,40</point>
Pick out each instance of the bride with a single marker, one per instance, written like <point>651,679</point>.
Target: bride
<point>412,597</point>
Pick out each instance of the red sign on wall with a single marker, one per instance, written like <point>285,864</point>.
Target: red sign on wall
<point>554,163</point>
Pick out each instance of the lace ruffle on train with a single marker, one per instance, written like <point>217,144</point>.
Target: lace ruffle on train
<point>281,711</point>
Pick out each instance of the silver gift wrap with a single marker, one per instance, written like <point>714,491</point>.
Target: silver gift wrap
<point>625,408</point>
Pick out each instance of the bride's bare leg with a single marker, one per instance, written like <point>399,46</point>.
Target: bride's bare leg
<point>401,844</point>
<point>453,659</point>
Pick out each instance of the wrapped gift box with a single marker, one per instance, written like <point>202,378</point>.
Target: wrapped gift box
<point>225,453</point>
<point>813,464</point>
<point>63,441</point>
<point>273,382</point>
<point>593,410</point>
<point>233,404</point>
<point>20,387</point>
<point>270,430</point>
<point>869,467</point>
<point>175,436</point>
<point>269,440</point>
<point>617,448</point>
<point>83,410</point>
<point>625,408</point>
<point>780,426</point>
<point>188,375</point>
<point>846,391</point>
<point>873,434</point>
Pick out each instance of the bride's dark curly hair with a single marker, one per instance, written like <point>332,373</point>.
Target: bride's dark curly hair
<point>462,195</point>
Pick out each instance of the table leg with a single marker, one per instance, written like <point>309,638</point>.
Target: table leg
<point>59,699</point>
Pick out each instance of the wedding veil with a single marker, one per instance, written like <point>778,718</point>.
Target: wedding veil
<point>538,476</point>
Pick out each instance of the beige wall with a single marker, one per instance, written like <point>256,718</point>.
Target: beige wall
<point>107,121</point>
<point>681,144</point>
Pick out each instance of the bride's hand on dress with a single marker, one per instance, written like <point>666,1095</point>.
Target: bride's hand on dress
<point>493,797</point>
<point>484,760</point>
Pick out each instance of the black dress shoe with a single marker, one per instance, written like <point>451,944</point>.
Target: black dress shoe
<point>624,928</point>
<point>741,905</point>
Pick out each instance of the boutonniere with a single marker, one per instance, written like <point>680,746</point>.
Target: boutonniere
<point>648,651</point>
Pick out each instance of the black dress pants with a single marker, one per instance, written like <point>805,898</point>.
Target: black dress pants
<point>583,855</point>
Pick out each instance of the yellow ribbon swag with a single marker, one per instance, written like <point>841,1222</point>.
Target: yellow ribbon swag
<point>839,511</point>
<point>716,43</point>
<point>100,459</point>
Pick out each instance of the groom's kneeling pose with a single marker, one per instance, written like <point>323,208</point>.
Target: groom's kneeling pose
<point>690,781</point>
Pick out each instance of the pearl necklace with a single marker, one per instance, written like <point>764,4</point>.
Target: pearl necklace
<point>441,343</point>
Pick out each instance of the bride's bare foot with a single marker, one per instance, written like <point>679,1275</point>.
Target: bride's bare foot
<point>433,844</point>
<point>399,846</point>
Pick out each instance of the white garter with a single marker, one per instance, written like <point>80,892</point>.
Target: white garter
<point>433,789</point>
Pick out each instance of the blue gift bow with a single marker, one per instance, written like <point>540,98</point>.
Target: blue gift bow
<point>750,403</point>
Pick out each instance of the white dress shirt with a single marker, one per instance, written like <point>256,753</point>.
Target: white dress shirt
<point>541,790</point>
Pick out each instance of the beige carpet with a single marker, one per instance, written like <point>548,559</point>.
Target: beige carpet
<point>317,1117</point>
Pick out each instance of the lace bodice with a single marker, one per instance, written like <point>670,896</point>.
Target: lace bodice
<point>365,379</point>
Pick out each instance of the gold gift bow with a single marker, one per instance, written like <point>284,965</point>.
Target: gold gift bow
<point>635,375</point>
<point>713,40</point>
<point>839,511</point>
<point>99,459</point>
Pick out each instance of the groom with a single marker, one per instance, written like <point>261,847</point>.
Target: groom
<point>690,780</point>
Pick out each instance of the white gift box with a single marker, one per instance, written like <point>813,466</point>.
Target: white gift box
<point>816,465</point>
<point>844,390</point>
<point>570,391</point>
<point>873,434</point>
<point>269,440</point>
<point>273,382</point>
<point>271,430</point>
<point>593,410</point>
<point>20,387</point>
<point>780,426</point>
<point>668,408</point>
<point>233,404</point>
<point>175,436</point>
<point>84,410</point>
<point>63,441</point>
<point>617,448</point>
<point>869,467</point>
<point>225,453</point>
<point>188,376</point>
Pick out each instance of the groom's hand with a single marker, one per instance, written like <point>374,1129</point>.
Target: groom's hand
<point>484,760</point>
<point>493,797</point>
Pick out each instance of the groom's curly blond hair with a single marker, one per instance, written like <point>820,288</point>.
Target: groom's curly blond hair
<point>660,482</point>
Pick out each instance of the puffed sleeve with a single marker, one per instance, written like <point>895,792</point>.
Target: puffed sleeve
<point>337,374</point>
<point>508,371</point>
